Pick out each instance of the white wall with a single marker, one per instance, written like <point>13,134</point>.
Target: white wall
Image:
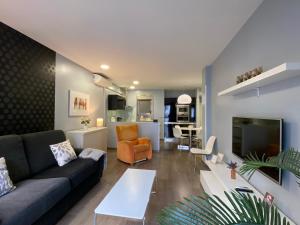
<point>206,102</point>
<point>270,37</point>
<point>158,104</point>
<point>199,107</point>
<point>177,93</point>
<point>71,76</point>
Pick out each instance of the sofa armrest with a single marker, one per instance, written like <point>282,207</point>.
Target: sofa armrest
<point>144,140</point>
<point>78,150</point>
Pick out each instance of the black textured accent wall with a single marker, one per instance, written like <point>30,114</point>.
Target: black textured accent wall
<point>27,84</point>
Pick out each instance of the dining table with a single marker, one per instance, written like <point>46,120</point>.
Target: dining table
<point>190,130</point>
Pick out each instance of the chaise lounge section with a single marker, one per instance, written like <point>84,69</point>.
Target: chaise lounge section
<point>44,191</point>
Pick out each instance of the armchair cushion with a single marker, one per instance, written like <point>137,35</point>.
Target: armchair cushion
<point>127,132</point>
<point>144,140</point>
<point>133,142</point>
<point>140,148</point>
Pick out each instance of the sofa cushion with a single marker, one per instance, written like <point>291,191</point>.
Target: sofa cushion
<point>63,152</point>
<point>31,199</point>
<point>6,184</point>
<point>11,148</point>
<point>77,171</point>
<point>37,149</point>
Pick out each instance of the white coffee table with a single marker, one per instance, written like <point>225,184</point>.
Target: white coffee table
<point>129,197</point>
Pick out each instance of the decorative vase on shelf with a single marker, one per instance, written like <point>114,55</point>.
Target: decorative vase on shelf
<point>85,122</point>
<point>232,166</point>
<point>233,174</point>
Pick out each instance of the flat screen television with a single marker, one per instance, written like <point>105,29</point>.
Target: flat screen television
<point>258,136</point>
<point>116,102</point>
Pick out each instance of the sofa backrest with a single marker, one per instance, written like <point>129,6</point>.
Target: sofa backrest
<point>37,149</point>
<point>11,148</point>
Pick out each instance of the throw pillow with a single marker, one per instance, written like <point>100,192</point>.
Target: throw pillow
<point>63,152</point>
<point>6,184</point>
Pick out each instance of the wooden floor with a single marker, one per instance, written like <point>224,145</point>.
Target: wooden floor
<point>176,179</point>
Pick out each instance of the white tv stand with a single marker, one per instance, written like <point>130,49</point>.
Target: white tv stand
<point>217,180</point>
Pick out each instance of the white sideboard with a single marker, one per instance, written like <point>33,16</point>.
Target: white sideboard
<point>217,180</point>
<point>94,137</point>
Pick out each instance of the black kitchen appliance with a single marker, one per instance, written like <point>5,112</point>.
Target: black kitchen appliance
<point>116,102</point>
<point>183,113</point>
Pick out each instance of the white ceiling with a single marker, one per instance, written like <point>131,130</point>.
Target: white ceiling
<point>161,43</point>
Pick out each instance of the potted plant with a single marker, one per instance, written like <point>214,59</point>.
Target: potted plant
<point>232,166</point>
<point>85,122</point>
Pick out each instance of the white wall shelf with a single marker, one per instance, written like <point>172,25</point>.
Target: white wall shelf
<point>278,73</point>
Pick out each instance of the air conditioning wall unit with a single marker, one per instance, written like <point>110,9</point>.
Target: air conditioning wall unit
<point>103,81</point>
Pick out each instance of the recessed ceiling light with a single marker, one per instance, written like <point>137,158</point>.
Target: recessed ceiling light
<point>111,87</point>
<point>104,66</point>
<point>132,87</point>
<point>136,82</point>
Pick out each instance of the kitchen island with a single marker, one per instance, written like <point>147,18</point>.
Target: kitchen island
<point>179,123</point>
<point>146,129</point>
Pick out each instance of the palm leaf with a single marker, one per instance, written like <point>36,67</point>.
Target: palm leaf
<point>288,160</point>
<point>244,209</point>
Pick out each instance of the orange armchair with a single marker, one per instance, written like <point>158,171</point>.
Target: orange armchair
<point>131,148</point>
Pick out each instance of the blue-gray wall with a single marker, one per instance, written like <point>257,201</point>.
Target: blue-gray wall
<point>71,76</point>
<point>269,38</point>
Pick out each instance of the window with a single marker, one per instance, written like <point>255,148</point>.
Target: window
<point>144,110</point>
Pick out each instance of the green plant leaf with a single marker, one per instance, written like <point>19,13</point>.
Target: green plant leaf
<point>244,209</point>
<point>287,160</point>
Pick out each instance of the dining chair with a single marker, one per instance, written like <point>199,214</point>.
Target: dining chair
<point>179,128</point>
<point>190,126</point>
<point>204,152</point>
<point>197,138</point>
<point>178,135</point>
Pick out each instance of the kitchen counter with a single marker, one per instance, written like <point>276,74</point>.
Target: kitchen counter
<point>146,129</point>
<point>126,122</point>
<point>184,123</point>
<point>168,131</point>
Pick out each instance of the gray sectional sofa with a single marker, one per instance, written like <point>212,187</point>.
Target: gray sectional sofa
<point>45,191</point>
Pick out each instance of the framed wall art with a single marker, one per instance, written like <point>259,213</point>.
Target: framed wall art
<point>79,103</point>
